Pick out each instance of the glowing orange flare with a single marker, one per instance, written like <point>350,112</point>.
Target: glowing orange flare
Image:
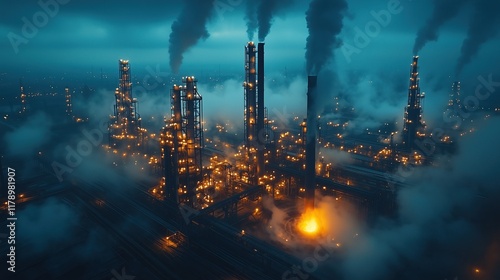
<point>308,223</point>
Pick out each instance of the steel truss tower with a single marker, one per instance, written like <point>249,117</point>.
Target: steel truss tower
<point>414,126</point>
<point>125,126</point>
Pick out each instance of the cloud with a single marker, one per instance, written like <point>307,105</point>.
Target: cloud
<point>441,213</point>
<point>41,226</point>
<point>30,136</point>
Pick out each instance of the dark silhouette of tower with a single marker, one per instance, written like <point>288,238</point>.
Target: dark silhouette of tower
<point>414,126</point>
<point>311,137</point>
<point>261,130</point>
<point>255,127</point>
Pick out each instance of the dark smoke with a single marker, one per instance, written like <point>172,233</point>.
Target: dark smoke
<point>444,10</point>
<point>188,29</point>
<point>324,21</point>
<point>483,26</point>
<point>260,14</point>
<point>267,10</point>
<point>251,18</point>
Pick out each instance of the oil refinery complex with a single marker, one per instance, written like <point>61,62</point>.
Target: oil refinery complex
<point>214,197</point>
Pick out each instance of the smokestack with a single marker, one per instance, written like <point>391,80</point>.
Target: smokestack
<point>311,142</point>
<point>261,133</point>
<point>250,86</point>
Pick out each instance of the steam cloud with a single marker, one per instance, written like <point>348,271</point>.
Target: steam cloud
<point>483,26</point>
<point>444,10</point>
<point>260,15</point>
<point>53,222</point>
<point>457,197</point>
<point>324,21</point>
<point>188,29</point>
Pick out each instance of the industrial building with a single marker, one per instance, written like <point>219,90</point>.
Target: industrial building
<point>209,204</point>
<point>289,167</point>
<point>181,144</point>
<point>414,125</point>
<point>256,130</point>
<point>125,131</point>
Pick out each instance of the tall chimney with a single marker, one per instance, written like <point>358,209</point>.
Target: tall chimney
<point>311,142</point>
<point>261,133</point>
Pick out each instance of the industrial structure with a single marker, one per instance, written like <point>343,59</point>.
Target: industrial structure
<point>256,132</point>
<point>181,144</point>
<point>23,98</point>
<point>125,131</point>
<point>414,125</point>
<point>69,108</point>
<point>455,102</point>
<point>311,140</point>
<point>251,204</point>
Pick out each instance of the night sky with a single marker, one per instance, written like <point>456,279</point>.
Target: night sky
<point>95,33</point>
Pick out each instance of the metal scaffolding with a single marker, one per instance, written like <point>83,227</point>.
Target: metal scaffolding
<point>413,124</point>
<point>182,143</point>
<point>125,124</point>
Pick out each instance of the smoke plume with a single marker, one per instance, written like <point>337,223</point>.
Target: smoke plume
<point>260,15</point>
<point>324,21</point>
<point>251,18</point>
<point>267,10</point>
<point>188,29</point>
<point>444,10</point>
<point>483,26</point>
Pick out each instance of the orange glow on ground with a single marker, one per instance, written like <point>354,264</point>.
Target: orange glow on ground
<point>309,222</point>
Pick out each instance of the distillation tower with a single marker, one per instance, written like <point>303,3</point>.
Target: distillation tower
<point>256,132</point>
<point>311,136</point>
<point>125,131</point>
<point>182,143</point>
<point>414,126</point>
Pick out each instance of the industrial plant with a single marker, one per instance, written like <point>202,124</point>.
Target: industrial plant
<point>206,193</point>
<point>144,182</point>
